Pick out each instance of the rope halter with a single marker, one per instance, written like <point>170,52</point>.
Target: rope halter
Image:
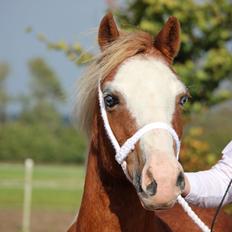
<point>123,151</point>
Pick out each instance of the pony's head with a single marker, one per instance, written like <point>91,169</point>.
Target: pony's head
<point>139,87</point>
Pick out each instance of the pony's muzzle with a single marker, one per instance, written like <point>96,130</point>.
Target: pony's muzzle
<point>158,186</point>
<point>152,187</point>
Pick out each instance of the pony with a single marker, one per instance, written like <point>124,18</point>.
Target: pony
<point>139,86</point>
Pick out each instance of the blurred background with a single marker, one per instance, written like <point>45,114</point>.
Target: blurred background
<point>45,47</point>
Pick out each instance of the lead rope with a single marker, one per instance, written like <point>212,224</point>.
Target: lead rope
<point>220,206</point>
<point>192,214</point>
<point>123,151</point>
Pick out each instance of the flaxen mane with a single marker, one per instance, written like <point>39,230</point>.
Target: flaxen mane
<point>127,45</point>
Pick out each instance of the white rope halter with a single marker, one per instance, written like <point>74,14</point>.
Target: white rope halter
<point>123,151</point>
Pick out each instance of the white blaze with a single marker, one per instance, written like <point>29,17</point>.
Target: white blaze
<point>149,88</point>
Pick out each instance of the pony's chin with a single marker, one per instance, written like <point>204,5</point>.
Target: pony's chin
<point>154,206</point>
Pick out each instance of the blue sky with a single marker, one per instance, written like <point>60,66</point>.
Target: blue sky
<point>70,20</point>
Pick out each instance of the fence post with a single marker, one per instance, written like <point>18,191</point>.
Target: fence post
<point>27,195</point>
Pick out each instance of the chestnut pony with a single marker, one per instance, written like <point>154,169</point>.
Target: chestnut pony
<point>139,87</point>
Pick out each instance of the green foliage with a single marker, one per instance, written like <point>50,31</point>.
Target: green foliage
<point>45,85</point>
<point>74,52</point>
<point>46,93</point>
<point>62,144</point>
<point>217,127</point>
<point>195,152</point>
<point>206,136</point>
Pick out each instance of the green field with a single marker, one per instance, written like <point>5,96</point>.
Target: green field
<point>54,186</point>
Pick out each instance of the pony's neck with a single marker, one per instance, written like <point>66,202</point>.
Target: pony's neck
<point>109,203</point>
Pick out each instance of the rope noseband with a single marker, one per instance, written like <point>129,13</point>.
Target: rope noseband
<point>123,151</point>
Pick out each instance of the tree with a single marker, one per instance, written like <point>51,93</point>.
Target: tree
<point>45,84</point>
<point>45,96</point>
<point>4,70</point>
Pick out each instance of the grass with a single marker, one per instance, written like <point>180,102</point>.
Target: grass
<point>55,187</point>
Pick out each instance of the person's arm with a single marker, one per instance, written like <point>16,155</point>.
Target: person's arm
<point>206,188</point>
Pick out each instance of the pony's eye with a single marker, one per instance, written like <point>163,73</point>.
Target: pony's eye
<point>110,101</point>
<point>183,100</point>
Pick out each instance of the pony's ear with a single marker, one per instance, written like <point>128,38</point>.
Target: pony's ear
<point>168,39</point>
<point>108,31</point>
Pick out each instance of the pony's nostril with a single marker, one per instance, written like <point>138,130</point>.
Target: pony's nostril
<point>151,188</point>
<point>180,181</point>
<point>137,183</point>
